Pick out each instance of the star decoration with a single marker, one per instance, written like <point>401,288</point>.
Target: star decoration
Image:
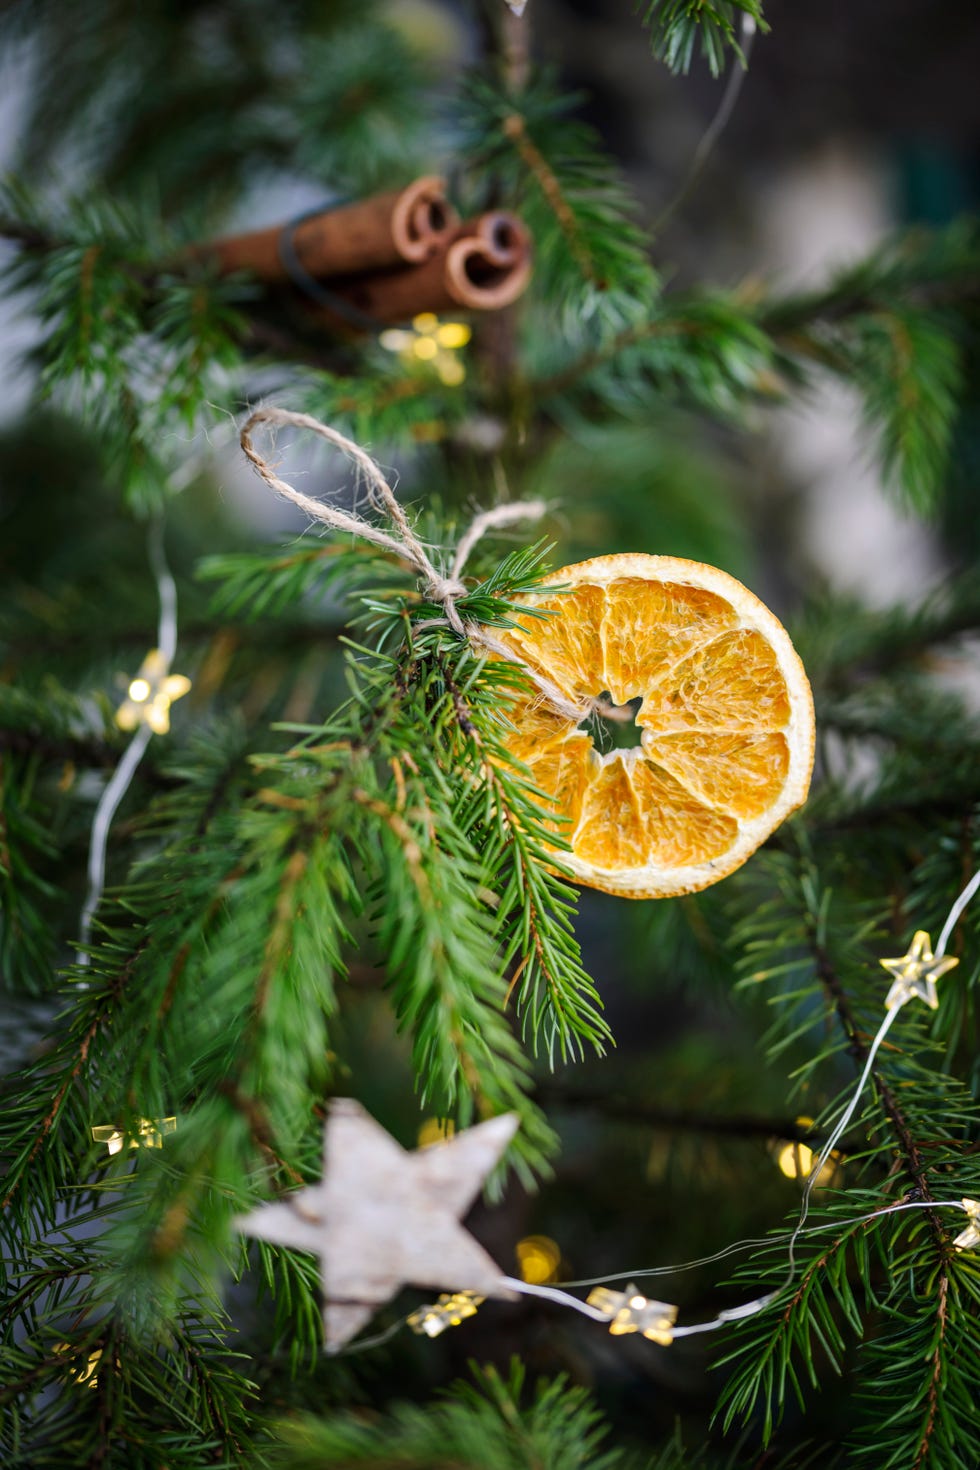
<point>148,1134</point>
<point>448,1311</point>
<point>916,973</point>
<point>430,341</point>
<point>82,1375</point>
<point>151,694</point>
<point>631,1312</point>
<point>382,1218</point>
<point>969,1236</point>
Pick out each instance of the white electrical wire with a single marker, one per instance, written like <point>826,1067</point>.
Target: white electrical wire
<point>954,914</point>
<point>717,125</point>
<point>125,771</point>
<point>758,1304</point>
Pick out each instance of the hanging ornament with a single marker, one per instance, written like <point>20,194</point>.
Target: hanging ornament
<point>382,1218</point>
<point>724,748</point>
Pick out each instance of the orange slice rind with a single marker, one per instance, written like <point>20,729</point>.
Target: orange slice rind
<point>726,750</point>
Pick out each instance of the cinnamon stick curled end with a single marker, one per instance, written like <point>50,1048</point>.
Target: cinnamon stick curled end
<point>484,267</point>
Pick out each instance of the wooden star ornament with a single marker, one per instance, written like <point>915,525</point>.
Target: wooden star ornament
<point>916,973</point>
<point>382,1218</point>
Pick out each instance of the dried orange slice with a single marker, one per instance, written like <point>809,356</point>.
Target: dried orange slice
<point>726,748</point>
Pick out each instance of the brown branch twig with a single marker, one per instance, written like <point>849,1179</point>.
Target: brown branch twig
<point>97,1022</point>
<point>515,129</point>
<point>858,1047</point>
<point>942,1317</point>
<point>629,1110</point>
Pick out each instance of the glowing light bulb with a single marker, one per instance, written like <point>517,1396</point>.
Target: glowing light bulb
<point>148,1134</point>
<point>538,1258</point>
<point>449,1311</point>
<point>435,1130</point>
<point>150,695</point>
<point>431,342</point>
<point>916,973</point>
<point>631,1311</point>
<point>796,1160</point>
<point>453,335</point>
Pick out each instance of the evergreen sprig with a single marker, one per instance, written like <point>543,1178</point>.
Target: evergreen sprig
<point>269,891</point>
<point>589,248</point>
<point>854,1276</point>
<point>679,27</point>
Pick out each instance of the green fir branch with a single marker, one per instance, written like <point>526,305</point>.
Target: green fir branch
<point>680,27</point>
<point>589,249</point>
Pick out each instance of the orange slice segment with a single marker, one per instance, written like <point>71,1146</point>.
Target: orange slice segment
<point>535,726</point>
<point>732,683</point>
<point>649,626</point>
<point>567,645</point>
<point>726,716</point>
<point>734,772</point>
<point>564,773</point>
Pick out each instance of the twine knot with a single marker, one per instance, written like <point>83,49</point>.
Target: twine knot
<point>443,587</point>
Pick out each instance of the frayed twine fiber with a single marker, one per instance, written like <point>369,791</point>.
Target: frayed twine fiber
<point>401,541</point>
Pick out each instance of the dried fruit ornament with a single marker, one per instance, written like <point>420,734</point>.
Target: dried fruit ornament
<point>726,749</point>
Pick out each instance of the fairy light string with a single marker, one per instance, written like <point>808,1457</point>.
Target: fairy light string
<point>434,1318</point>
<point>147,714</point>
<point>629,1310</point>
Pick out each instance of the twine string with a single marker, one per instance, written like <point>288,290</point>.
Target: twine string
<point>442,587</point>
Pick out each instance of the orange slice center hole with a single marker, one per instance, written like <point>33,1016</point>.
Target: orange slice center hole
<point>613,726</point>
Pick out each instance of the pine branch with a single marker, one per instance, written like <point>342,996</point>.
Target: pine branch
<point>588,247</point>
<point>824,1305</point>
<point>677,27</point>
<point>484,1423</point>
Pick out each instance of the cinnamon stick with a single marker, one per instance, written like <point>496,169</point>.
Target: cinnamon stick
<point>484,266</point>
<point>405,226</point>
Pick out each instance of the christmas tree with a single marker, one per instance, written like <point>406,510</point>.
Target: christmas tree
<point>390,1076</point>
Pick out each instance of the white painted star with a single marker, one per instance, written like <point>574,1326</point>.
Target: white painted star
<point>382,1218</point>
<point>916,973</point>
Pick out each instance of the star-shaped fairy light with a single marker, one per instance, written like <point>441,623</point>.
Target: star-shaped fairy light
<point>969,1236</point>
<point>382,1218</point>
<point>431,341</point>
<point>151,694</point>
<point>448,1311</point>
<point>630,1311</point>
<point>916,973</point>
<point>85,1375</point>
<point>148,1134</point>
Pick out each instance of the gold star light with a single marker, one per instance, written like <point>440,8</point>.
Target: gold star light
<point>629,1311</point>
<point>430,341</point>
<point>382,1218</point>
<point>148,1134</point>
<point>151,694</point>
<point>969,1236</point>
<point>83,1374</point>
<point>916,973</point>
<point>448,1311</point>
